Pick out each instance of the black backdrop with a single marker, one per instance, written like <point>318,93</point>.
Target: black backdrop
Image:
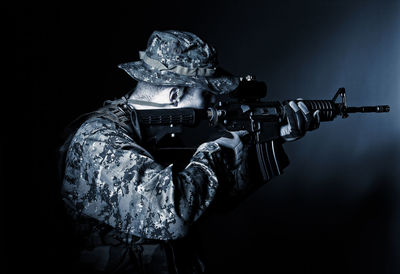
<point>336,208</point>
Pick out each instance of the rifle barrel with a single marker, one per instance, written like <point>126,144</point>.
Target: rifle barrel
<point>382,108</point>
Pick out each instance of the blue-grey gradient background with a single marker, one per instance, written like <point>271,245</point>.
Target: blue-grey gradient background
<point>336,209</point>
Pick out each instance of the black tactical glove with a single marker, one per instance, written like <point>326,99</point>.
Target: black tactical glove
<point>234,144</point>
<point>299,120</point>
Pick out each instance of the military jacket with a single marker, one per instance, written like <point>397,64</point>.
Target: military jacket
<point>114,182</point>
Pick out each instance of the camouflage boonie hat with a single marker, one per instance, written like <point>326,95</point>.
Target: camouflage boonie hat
<point>178,58</point>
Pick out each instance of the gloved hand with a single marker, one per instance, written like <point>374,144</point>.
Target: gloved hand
<point>235,145</point>
<point>299,120</point>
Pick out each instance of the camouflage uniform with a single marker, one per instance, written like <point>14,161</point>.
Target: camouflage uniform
<point>133,213</point>
<point>120,196</point>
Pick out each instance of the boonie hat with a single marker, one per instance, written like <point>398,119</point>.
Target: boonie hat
<point>178,58</point>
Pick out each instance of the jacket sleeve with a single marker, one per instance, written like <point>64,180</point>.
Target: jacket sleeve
<point>112,179</point>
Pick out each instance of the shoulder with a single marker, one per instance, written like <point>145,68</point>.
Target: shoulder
<point>99,134</point>
<point>100,131</point>
<point>102,128</point>
<point>93,127</point>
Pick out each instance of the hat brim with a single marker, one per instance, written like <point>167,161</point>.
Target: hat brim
<point>221,82</point>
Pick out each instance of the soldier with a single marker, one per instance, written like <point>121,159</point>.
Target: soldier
<point>134,213</point>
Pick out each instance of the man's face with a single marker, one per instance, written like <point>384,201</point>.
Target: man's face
<point>188,97</point>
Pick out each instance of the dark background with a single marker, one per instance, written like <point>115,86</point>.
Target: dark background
<point>337,207</point>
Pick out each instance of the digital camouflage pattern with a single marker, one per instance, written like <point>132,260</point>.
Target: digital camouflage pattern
<point>110,178</point>
<point>133,213</point>
<point>178,58</point>
<point>124,202</point>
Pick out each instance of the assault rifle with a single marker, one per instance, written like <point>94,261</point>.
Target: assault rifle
<point>242,109</point>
